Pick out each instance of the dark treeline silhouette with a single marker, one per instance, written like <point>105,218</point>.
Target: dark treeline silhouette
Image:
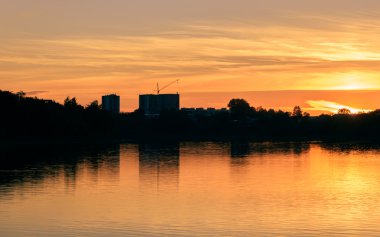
<point>242,121</point>
<point>25,118</point>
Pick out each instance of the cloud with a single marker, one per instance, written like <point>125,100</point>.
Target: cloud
<point>34,93</point>
<point>207,56</point>
<point>333,107</point>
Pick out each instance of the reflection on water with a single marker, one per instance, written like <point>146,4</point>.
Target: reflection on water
<point>158,165</point>
<point>190,188</point>
<point>32,165</point>
<point>244,149</point>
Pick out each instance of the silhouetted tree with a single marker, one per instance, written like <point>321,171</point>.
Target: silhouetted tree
<point>72,103</point>
<point>21,94</point>
<point>94,106</point>
<point>239,108</point>
<point>344,111</point>
<point>297,111</point>
<point>306,114</point>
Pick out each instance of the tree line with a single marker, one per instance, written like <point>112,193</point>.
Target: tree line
<point>25,118</point>
<point>243,121</point>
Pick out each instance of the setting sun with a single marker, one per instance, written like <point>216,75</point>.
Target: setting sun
<point>354,80</point>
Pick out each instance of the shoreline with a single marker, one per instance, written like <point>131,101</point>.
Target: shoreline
<point>187,139</point>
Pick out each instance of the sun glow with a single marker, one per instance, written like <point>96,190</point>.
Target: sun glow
<point>352,87</point>
<point>354,81</point>
<point>209,55</point>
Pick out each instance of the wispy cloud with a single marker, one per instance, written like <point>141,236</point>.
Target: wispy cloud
<point>254,60</point>
<point>35,93</point>
<point>333,107</point>
<point>303,51</point>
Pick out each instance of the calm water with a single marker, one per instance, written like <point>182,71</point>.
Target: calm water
<point>190,189</point>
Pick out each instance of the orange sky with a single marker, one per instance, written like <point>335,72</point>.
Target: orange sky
<point>55,49</point>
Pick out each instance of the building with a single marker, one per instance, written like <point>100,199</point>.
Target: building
<point>155,104</point>
<point>111,103</point>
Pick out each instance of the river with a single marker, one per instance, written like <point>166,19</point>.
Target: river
<point>190,189</point>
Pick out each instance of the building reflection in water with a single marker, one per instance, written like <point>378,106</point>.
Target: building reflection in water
<point>194,188</point>
<point>159,165</point>
<point>151,165</point>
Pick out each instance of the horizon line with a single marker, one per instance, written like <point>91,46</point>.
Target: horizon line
<point>327,90</point>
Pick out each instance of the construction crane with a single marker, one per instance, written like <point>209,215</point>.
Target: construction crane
<point>158,90</point>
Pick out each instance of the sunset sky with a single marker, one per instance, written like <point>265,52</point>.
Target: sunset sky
<point>274,53</point>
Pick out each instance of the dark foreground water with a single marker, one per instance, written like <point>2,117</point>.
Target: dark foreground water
<point>190,189</point>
